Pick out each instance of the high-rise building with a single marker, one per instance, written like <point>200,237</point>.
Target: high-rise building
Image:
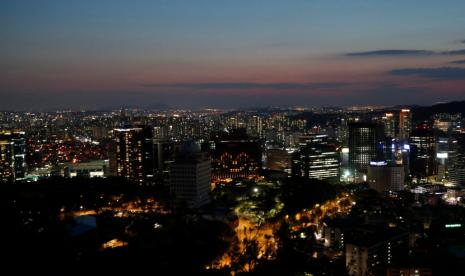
<point>164,155</point>
<point>190,177</point>
<point>6,161</point>
<point>389,125</point>
<point>405,123</point>
<point>422,152</point>
<point>446,155</point>
<point>235,155</point>
<point>317,159</point>
<point>384,177</point>
<point>342,132</point>
<point>12,155</point>
<point>255,126</point>
<point>134,153</point>
<point>370,252</point>
<point>456,169</point>
<point>365,144</point>
<point>397,152</point>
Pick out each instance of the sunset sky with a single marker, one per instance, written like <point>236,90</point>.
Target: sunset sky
<point>234,53</point>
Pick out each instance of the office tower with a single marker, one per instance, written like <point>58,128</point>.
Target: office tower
<point>235,155</point>
<point>383,176</point>
<point>134,153</point>
<point>317,159</point>
<point>422,152</point>
<point>365,144</point>
<point>398,152</point>
<point>389,125</point>
<point>190,176</point>
<point>19,149</point>
<point>345,171</point>
<point>164,154</point>
<point>405,123</point>
<point>456,170</point>
<point>12,155</point>
<point>446,153</point>
<point>342,132</point>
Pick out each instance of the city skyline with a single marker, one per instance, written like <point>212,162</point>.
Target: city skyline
<point>176,137</point>
<point>95,55</point>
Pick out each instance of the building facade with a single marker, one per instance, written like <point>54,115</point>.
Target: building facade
<point>405,124</point>
<point>372,252</point>
<point>235,155</point>
<point>317,159</point>
<point>365,144</point>
<point>190,179</point>
<point>134,153</point>
<point>422,153</point>
<point>384,177</point>
<point>12,155</point>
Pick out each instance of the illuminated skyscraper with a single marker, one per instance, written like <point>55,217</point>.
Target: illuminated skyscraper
<point>365,144</point>
<point>405,123</point>
<point>134,153</point>
<point>389,125</point>
<point>12,155</point>
<point>456,161</point>
<point>423,152</point>
<point>317,159</point>
<point>446,155</point>
<point>6,161</point>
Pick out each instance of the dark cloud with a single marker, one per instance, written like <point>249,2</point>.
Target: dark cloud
<point>455,52</point>
<point>249,85</point>
<point>442,73</point>
<point>377,53</point>
<point>458,61</point>
<point>392,53</point>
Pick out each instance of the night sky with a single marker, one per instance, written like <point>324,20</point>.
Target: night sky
<point>244,53</point>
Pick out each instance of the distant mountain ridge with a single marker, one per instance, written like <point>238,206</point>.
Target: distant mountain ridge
<point>425,112</point>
